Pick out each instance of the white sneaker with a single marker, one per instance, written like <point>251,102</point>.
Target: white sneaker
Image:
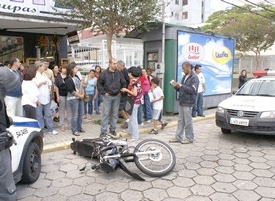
<point>149,121</point>
<point>54,132</point>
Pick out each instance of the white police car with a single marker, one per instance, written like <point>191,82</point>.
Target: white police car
<point>252,108</point>
<point>26,152</point>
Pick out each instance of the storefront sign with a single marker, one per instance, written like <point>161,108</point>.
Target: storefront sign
<point>45,8</point>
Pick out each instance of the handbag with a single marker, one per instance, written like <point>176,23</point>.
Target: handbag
<point>86,98</point>
<point>129,104</point>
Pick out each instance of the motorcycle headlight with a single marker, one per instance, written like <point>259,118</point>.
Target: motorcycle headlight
<point>269,114</point>
<point>220,110</point>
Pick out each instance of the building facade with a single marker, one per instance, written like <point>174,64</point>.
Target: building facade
<point>33,29</point>
<point>187,12</point>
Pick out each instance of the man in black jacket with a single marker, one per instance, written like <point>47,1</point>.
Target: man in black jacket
<point>7,186</point>
<point>109,84</point>
<point>187,97</point>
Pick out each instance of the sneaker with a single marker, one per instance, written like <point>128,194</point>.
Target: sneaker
<point>153,131</point>
<point>141,124</point>
<point>98,113</point>
<point>103,134</point>
<point>76,133</point>
<point>174,140</point>
<point>163,125</point>
<point>82,131</point>
<point>185,141</point>
<point>125,125</point>
<point>113,134</point>
<point>84,117</point>
<point>149,121</point>
<point>56,119</point>
<point>54,132</point>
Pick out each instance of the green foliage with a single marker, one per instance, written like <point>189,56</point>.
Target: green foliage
<point>113,17</point>
<point>252,32</point>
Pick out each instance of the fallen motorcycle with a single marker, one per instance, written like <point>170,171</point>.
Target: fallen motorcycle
<point>153,157</point>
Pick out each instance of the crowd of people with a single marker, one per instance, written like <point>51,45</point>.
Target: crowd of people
<point>61,94</point>
<point>77,97</point>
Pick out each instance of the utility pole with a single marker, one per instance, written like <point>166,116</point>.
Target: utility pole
<point>163,44</point>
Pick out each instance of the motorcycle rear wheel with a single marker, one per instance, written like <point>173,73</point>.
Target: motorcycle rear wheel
<point>156,164</point>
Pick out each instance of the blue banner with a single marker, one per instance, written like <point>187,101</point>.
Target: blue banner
<point>214,53</point>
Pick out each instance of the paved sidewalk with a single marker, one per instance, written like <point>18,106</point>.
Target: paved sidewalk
<point>64,138</point>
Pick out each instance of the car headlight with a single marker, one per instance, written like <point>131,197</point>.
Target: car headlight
<point>220,110</point>
<point>269,114</point>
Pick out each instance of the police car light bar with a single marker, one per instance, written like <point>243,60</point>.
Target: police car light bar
<point>260,73</point>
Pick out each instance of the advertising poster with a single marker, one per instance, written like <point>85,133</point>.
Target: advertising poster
<point>215,55</point>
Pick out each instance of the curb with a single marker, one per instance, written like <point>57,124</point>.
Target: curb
<point>66,144</point>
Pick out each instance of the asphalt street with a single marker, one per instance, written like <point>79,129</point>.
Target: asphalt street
<point>215,167</point>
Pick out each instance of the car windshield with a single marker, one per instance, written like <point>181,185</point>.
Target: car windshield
<point>258,88</point>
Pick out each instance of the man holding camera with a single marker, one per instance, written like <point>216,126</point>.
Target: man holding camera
<point>7,186</point>
<point>187,97</point>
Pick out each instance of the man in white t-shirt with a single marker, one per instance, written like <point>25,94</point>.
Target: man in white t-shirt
<point>197,109</point>
<point>157,100</point>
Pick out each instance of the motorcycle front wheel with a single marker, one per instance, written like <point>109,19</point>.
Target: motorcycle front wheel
<point>154,158</point>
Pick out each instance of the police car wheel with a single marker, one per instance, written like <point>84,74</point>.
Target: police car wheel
<point>225,131</point>
<point>32,164</point>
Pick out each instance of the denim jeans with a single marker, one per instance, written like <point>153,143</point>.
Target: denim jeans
<point>147,107</point>
<point>133,122</point>
<point>77,111</point>
<point>198,106</point>
<point>64,112</point>
<point>97,102</point>
<point>46,110</point>
<point>90,108</point>
<point>110,111</point>
<point>185,124</point>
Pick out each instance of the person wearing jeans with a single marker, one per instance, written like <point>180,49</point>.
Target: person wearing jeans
<point>90,90</point>
<point>75,98</point>
<point>147,106</point>
<point>134,90</point>
<point>43,111</point>
<point>109,84</point>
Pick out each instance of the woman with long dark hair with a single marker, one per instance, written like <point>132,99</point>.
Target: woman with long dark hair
<point>75,98</point>
<point>242,78</point>
<point>98,98</point>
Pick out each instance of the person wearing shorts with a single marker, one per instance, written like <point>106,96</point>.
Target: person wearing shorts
<point>157,100</point>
